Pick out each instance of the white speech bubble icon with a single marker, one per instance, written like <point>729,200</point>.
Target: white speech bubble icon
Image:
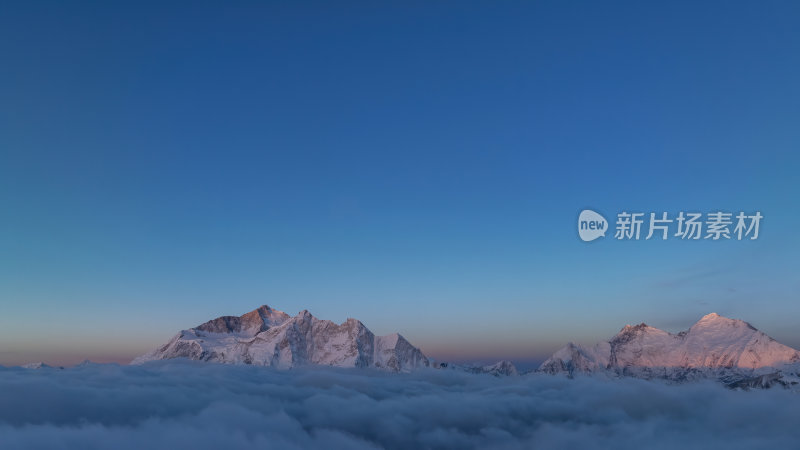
<point>591,225</point>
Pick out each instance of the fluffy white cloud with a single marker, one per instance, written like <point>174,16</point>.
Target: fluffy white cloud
<point>181,404</point>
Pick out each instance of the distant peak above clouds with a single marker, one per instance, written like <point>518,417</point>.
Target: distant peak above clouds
<point>715,347</point>
<point>268,337</point>
<point>715,344</point>
<point>38,365</point>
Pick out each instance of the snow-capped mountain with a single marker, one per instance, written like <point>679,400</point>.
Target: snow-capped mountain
<point>728,349</point>
<point>269,337</point>
<point>499,369</point>
<point>39,365</point>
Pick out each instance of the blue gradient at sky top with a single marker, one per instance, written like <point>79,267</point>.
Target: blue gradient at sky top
<point>417,166</point>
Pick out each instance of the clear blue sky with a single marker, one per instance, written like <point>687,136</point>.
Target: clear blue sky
<point>419,166</point>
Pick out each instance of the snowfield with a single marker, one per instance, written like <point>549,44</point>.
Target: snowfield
<point>189,404</point>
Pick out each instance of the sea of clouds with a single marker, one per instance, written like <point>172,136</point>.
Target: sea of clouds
<point>183,404</point>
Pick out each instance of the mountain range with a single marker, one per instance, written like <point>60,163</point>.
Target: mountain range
<point>729,350</point>
<point>268,337</point>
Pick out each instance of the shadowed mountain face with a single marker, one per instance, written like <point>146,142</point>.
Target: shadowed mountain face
<point>251,323</point>
<point>713,347</point>
<point>269,337</point>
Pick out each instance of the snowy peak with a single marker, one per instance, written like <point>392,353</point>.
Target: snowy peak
<point>713,343</point>
<point>499,369</point>
<point>35,366</point>
<point>269,337</point>
<point>268,315</point>
<point>633,332</point>
<point>252,323</point>
<point>717,341</point>
<point>574,358</point>
<point>712,316</point>
<point>715,319</point>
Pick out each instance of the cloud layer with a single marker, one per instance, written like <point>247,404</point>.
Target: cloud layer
<point>181,404</point>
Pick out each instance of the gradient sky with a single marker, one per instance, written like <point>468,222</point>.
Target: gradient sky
<point>418,166</point>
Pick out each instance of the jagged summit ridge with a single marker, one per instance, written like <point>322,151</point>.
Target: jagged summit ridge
<point>260,319</point>
<point>268,337</point>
